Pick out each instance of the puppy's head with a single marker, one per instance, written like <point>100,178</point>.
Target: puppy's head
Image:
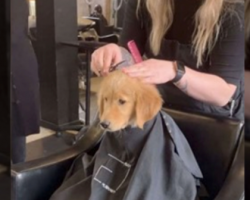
<point>124,101</point>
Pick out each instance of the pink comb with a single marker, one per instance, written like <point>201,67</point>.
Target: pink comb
<point>134,51</point>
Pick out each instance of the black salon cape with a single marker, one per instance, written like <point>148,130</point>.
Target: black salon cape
<point>154,164</point>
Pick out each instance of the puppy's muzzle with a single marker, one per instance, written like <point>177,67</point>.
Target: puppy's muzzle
<point>105,124</point>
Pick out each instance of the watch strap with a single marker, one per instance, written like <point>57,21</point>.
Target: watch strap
<point>180,71</point>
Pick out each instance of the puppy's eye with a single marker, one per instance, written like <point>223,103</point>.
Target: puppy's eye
<point>121,101</point>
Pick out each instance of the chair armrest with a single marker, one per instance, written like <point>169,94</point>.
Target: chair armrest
<point>247,165</point>
<point>84,45</point>
<point>107,36</point>
<point>4,182</point>
<point>233,187</point>
<point>38,179</point>
<point>91,18</point>
<point>113,38</point>
<point>118,29</point>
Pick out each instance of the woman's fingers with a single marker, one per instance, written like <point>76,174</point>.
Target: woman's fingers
<point>117,56</point>
<point>99,60</point>
<point>104,57</point>
<point>95,63</point>
<point>133,68</point>
<point>140,74</point>
<point>112,56</point>
<point>150,79</point>
<point>107,61</point>
<point>137,70</point>
<point>93,68</point>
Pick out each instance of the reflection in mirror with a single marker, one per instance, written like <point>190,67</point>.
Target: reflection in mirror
<point>112,10</point>
<point>97,21</point>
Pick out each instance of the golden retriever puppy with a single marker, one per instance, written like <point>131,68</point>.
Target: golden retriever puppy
<point>124,101</point>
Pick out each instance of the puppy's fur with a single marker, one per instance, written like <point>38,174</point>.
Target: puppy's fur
<point>124,101</point>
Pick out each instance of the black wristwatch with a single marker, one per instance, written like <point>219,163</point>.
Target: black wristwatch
<point>180,71</point>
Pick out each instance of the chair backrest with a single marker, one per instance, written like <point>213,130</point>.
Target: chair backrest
<point>213,141</point>
<point>100,28</point>
<point>109,39</point>
<point>97,25</point>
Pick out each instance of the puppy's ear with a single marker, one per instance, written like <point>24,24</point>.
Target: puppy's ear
<point>148,104</point>
<point>100,101</point>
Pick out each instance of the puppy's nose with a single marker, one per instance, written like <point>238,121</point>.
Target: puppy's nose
<point>105,124</point>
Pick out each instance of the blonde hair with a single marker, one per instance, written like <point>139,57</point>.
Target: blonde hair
<point>207,23</point>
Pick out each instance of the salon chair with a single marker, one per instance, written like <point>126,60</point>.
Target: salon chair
<point>247,156</point>
<point>118,30</point>
<point>247,164</point>
<point>217,144</point>
<point>5,179</point>
<point>105,33</point>
<point>5,182</point>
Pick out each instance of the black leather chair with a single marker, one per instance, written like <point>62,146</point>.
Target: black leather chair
<point>105,33</point>
<point>247,164</point>
<point>217,144</point>
<point>5,179</point>
<point>247,156</point>
<point>5,182</point>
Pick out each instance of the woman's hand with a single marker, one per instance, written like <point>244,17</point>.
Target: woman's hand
<point>103,58</point>
<point>152,71</point>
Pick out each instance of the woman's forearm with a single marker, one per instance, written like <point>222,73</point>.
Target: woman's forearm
<point>247,93</point>
<point>206,88</point>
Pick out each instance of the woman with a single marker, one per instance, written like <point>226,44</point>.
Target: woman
<point>98,13</point>
<point>24,80</point>
<point>195,50</point>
